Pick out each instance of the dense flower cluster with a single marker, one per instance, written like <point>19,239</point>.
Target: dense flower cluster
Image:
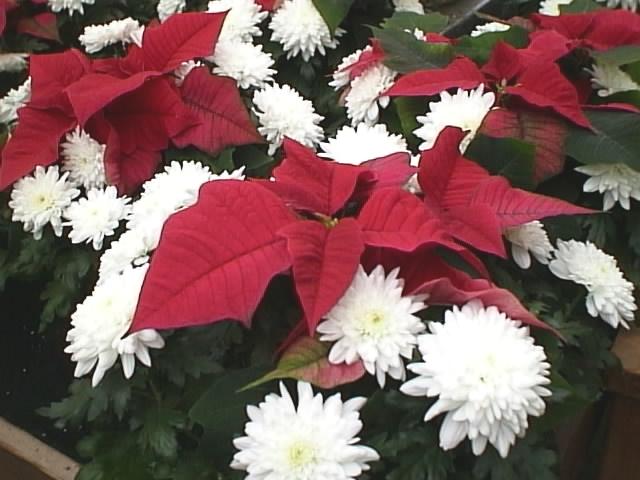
<point>391,175</point>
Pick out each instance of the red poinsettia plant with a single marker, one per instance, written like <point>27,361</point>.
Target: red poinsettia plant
<point>131,104</point>
<point>319,220</point>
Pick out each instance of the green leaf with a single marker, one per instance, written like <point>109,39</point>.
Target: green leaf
<point>307,359</point>
<point>615,139</point>
<point>221,409</point>
<point>580,6</point>
<point>333,12</point>
<point>254,159</point>
<point>432,22</point>
<point>407,110</point>
<point>509,157</point>
<point>479,48</point>
<point>404,53</point>
<point>619,55</point>
<point>159,431</point>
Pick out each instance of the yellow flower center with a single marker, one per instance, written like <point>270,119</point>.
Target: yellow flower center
<point>300,454</point>
<point>373,323</point>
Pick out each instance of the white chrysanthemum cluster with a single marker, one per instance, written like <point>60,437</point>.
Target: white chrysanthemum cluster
<point>13,62</point>
<point>610,79</point>
<point>245,62</point>
<point>83,158</point>
<point>283,112</point>
<point>166,8</point>
<point>71,5</point>
<point>617,181</point>
<point>376,323</point>
<point>491,27</point>
<point>527,239</point>
<point>341,76</point>
<point>552,7</point>
<point>235,54</point>
<point>100,323</point>
<point>315,439</point>
<point>363,98</point>
<point>242,20</point>
<point>414,6</point>
<point>626,4</point>
<point>41,199</point>
<point>168,192</point>
<point>610,295</point>
<point>96,216</point>
<point>15,99</point>
<point>125,31</point>
<point>487,374</point>
<point>362,143</point>
<point>300,29</point>
<point>465,109</point>
<point>46,197</point>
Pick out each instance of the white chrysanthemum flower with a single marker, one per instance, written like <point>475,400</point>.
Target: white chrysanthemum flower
<point>96,216</point>
<point>283,112</point>
<point>301,30</point>
<point>610,79</point>
<point>241,23</point>
<point>364,98</point>
<point>414,6</point>
<point>245,62</point>
<point>490,27</point>
<point>125,31</point>
<point>374,322</point>
<point>166,8</point>
<point>83,158</point>
<point>487,373</point>
<point>312,440</point>
<point>100,323</point>
<point>465,109</point>
<point>71,5</point>
<point>13,62</point>
<point>40,199</point>
<point>552,7</point>
<point>341,76</point>
<point>132,249</point>
<point>529,238</point>
<point>14,100</point>
<point>184,70</point>
<point>618,182</point>
<point>364,142</point>
<point>610,294</point>
<point>626,4</point>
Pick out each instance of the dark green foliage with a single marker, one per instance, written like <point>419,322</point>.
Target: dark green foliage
<point>176,421</point>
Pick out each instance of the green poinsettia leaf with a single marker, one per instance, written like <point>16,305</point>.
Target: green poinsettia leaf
<point>479,48</point>
<point>615,139</point>
<point>618,56</point>
<point>580,6</point>
<point>333,12</point>
<point>432,22</point>
<point>509,157</point>
<point>404,53</point>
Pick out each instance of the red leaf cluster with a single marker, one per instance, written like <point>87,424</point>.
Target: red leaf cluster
<point>474,206</point>
<point>319,220</point>
<point>131,104</point>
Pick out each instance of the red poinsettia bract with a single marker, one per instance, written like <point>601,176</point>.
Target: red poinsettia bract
<point>474,206</point>
<point>319,220</point>
<point>131,104</point>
